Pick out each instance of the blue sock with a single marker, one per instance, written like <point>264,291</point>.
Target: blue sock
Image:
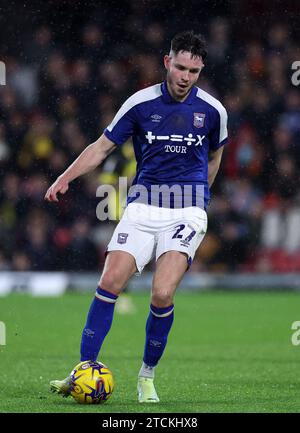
<point>158,326</point>
<point>98,324</point>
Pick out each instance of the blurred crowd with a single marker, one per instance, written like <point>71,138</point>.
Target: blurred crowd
<point>59,97</point>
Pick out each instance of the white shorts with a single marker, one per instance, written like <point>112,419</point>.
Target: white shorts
<point>146,231</point>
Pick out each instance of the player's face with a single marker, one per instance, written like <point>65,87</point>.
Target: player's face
<point>183,73</point>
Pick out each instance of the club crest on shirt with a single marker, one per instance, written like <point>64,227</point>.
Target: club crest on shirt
<point>199,120</point>
<point>122,238</point>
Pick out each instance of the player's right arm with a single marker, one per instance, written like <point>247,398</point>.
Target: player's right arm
<point>88,160</point>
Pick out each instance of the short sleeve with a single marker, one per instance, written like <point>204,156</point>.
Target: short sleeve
<point>219,134</point>
<point>122,126</point>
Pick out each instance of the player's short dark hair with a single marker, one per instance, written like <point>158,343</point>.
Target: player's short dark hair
<point>190,42</point>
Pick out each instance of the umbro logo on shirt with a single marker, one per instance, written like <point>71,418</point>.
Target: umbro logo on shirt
<point>156,118</point>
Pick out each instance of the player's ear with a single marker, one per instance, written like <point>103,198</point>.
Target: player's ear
<point>167,60</point>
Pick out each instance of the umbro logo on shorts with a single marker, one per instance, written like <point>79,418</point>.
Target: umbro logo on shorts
<point>122,238</point>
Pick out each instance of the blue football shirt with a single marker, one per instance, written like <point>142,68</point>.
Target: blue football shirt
<point>172,141</point>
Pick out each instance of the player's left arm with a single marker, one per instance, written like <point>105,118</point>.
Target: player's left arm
<point>214,164</point>
<point>218,138</point>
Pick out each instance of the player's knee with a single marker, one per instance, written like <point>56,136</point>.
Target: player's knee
<point>161,299</point>
<point>112,282</point>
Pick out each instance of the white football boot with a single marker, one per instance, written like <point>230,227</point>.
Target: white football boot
<point>146,390</point>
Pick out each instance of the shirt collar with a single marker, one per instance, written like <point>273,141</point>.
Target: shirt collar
<point>169,100</point>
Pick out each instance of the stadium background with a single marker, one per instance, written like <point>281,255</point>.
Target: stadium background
<point>70,65</point>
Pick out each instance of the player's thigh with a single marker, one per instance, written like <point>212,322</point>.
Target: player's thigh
<point>170,268</point>
<point>184,234</point>
<point>118,269</point>
<point>134,236</point>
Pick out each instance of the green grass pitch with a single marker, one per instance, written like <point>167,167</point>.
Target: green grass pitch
<point>227,352</point>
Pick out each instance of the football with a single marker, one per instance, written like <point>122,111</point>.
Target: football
<point>91,382</point>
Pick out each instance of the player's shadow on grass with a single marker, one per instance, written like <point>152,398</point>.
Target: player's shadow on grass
<point>62,405</point>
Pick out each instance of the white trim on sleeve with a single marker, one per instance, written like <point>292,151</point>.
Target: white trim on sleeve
<point>220,108</point>
<point>143,95</point>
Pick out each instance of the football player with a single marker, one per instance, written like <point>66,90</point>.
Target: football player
<point>178,133</point>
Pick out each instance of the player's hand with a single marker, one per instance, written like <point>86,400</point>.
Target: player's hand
<point>59,186</point>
